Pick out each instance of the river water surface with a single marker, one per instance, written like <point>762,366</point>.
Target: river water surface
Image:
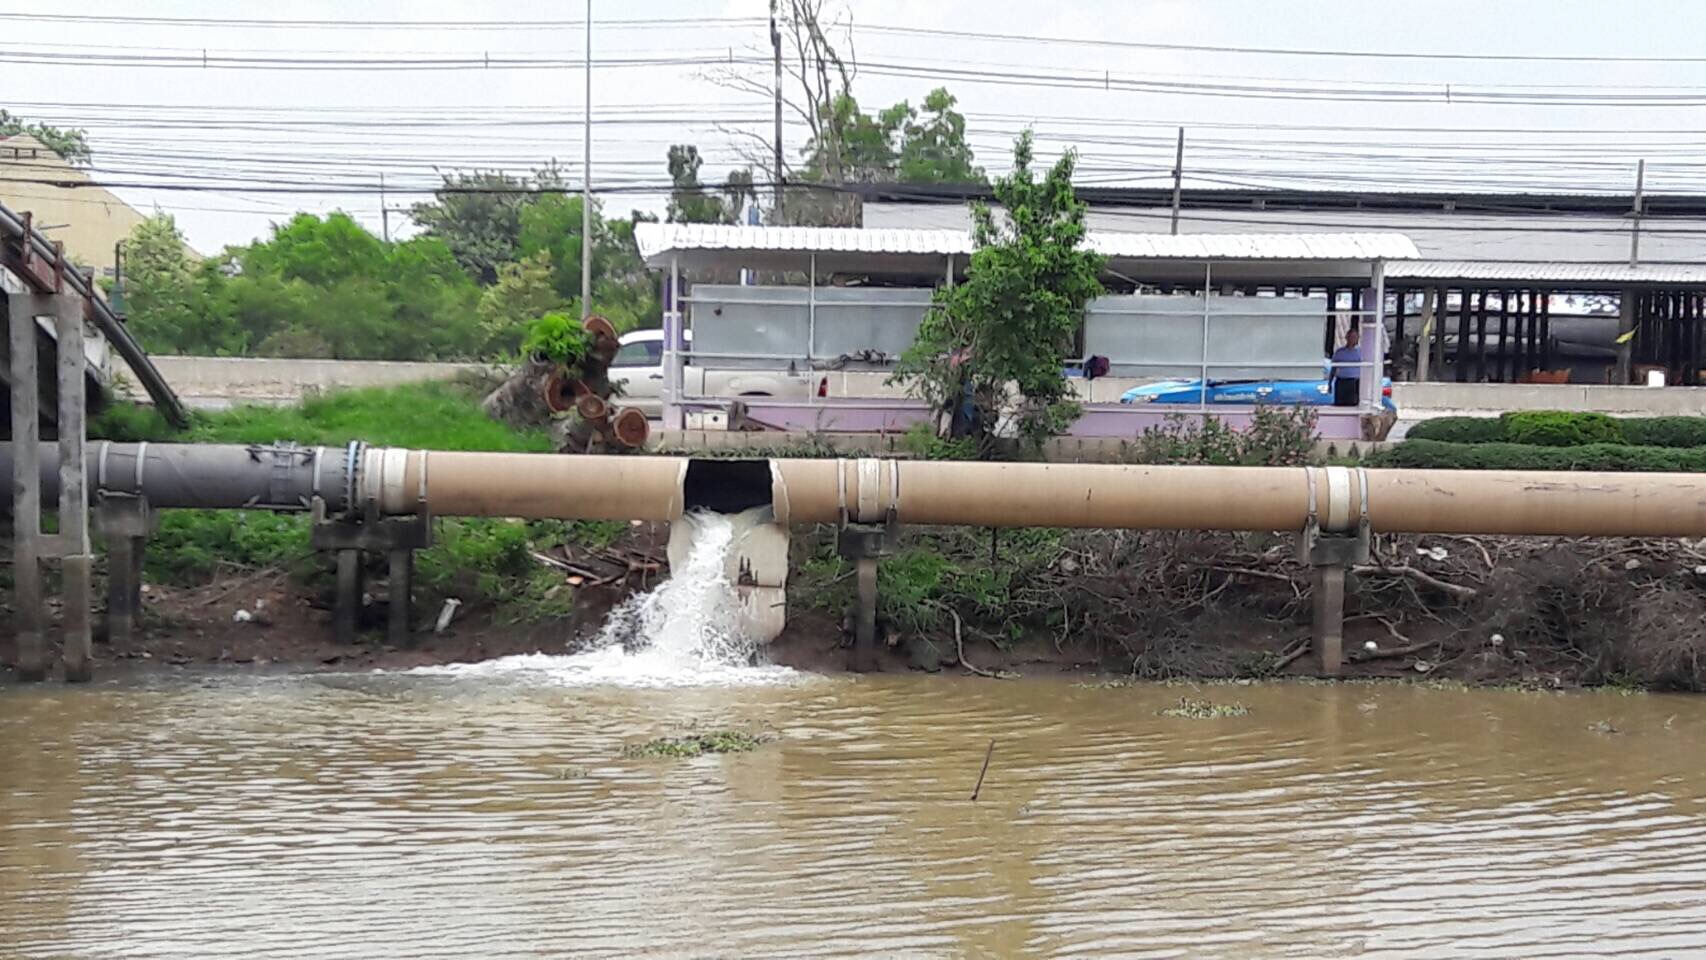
<point>490,814</point>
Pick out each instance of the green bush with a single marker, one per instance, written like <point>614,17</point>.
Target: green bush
<point>1557,428</point>
<point>1676,432</point>
<point>1459,430</point>
<point>1545,427</point>
<point>1277,437</point>
<point>556,337</point>
<point>1609,457</point>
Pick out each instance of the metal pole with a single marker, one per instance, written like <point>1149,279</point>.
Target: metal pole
<point>384,209</point>
<point>1635,214</point>
<point>1202,383</point>
<point>586,178</point>
<point>776,58</point>
<point>1178,177</point>
<point>811,320</point>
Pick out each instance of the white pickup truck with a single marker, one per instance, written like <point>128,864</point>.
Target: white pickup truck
<point>638,367</point>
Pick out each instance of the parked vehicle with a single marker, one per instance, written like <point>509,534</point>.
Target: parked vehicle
<point>638,368</point>
<point>1282,392</point>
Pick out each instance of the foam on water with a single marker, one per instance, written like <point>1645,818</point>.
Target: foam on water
<point>682,633</point>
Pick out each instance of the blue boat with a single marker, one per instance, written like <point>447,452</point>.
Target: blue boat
<point>1249,392</point>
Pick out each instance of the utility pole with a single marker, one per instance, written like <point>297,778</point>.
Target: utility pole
<point>1178,177</point>
<point>586,179</point>
<point>1635,213</point>
<point>384,209</point>
<point>776,58</point>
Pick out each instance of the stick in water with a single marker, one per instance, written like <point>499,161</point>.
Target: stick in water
<point>980,774</point>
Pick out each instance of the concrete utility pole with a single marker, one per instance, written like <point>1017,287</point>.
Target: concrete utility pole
<point>1178,177</point>
<point>1635,213</point>
<point>776,58</point>
<point>586,179</point>
<point>384,209</point>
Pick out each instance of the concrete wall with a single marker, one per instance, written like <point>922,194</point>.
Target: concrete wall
<point>216,382</point>
<point>1435,399</point>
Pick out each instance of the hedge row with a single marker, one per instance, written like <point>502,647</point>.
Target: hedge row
<point>1610,457</point>
<point>1553,428</point>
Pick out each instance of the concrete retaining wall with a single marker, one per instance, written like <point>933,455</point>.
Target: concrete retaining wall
<point>223,381</point>
<point>1490,399</point>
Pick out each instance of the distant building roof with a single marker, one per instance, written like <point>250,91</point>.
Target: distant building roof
<point>1546,272</point>
<point>658,239</point>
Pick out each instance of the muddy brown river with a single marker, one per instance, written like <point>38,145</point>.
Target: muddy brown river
<point>346,816</point>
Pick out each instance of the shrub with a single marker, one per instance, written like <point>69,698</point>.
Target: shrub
<point>556,337</point>
<point>1609,457</point>
<point>1556,428</point>
<point>1277,437</point>
<point>1676,432</point>
<point>1459,430</point>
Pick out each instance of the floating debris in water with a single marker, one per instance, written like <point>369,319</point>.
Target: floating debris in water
<point>1193,709</point>
<point>697,744</point>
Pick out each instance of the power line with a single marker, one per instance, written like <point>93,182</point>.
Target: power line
<point>262,23</point>
<point>1271,51</point>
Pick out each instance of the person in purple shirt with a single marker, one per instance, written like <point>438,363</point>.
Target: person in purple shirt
<point>1347,379</point>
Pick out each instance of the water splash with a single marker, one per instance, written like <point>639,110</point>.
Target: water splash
<point>685,632</point>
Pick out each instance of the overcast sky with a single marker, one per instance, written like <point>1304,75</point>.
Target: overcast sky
<point>241,129</point>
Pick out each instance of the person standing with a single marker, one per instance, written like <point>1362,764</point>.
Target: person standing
<point>1347,372</point>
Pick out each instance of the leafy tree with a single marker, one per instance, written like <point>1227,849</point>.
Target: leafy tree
<point>622,289</point>
<point>319,251</point>
<point>478,215</point>
<point>1003,335</point>
<point>934,149</point>
<point>690,202</point>
<point>166,294</point>
<point>70,143</point>
<point>525,291</point>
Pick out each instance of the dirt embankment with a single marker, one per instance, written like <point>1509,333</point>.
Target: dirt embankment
<point>1151,605</point>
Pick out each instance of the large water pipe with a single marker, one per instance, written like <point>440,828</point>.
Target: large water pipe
<point>397,482</point>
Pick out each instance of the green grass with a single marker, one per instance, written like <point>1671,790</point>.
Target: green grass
<point>427,416</point>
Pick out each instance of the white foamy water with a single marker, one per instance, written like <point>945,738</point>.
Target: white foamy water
<point>682,633</point>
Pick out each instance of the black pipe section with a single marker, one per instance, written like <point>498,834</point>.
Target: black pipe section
<point>165,400</point>
<point>228,476</point>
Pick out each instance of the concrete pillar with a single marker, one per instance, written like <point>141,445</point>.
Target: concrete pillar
<point>125,523</point>
<point>1328,596</point>
<point>400,615</point>
<point>76,560</point>
<point>346,607</point>
<point>29,611</point>
<point>865,615</point>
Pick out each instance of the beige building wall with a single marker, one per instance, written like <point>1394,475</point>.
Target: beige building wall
<point>93,219</point>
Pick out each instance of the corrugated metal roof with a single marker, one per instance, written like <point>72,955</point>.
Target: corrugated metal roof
<point>1546,271</point>
<point>655,239</point>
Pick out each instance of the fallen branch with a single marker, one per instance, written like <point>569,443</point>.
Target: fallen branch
<point>1298,650</point>
<point>960,649</point>
<point>1408,647</point>
<point>1419,576</point>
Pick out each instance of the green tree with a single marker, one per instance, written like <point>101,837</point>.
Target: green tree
<point>525,291</point>
<point>933,148</point>
<point>1005,333</point>
<point>478,214</point>
<point>167,295</point>
<point>72,144</point>
<point>691,202</point>
<point>622,289</point>
<point>319,251</point>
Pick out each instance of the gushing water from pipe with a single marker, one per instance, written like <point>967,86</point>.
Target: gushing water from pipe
<point>684,632</point>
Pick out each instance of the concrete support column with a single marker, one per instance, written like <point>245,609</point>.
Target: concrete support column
<point>1328,599</point>
<point>346,607</point>
<point>29,611</point>
<point>865,615</point>
<point>400,615</point>
<point>124,522</point>
<point>76,559</point>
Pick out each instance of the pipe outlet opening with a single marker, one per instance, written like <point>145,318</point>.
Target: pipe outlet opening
<point>726,486</point>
